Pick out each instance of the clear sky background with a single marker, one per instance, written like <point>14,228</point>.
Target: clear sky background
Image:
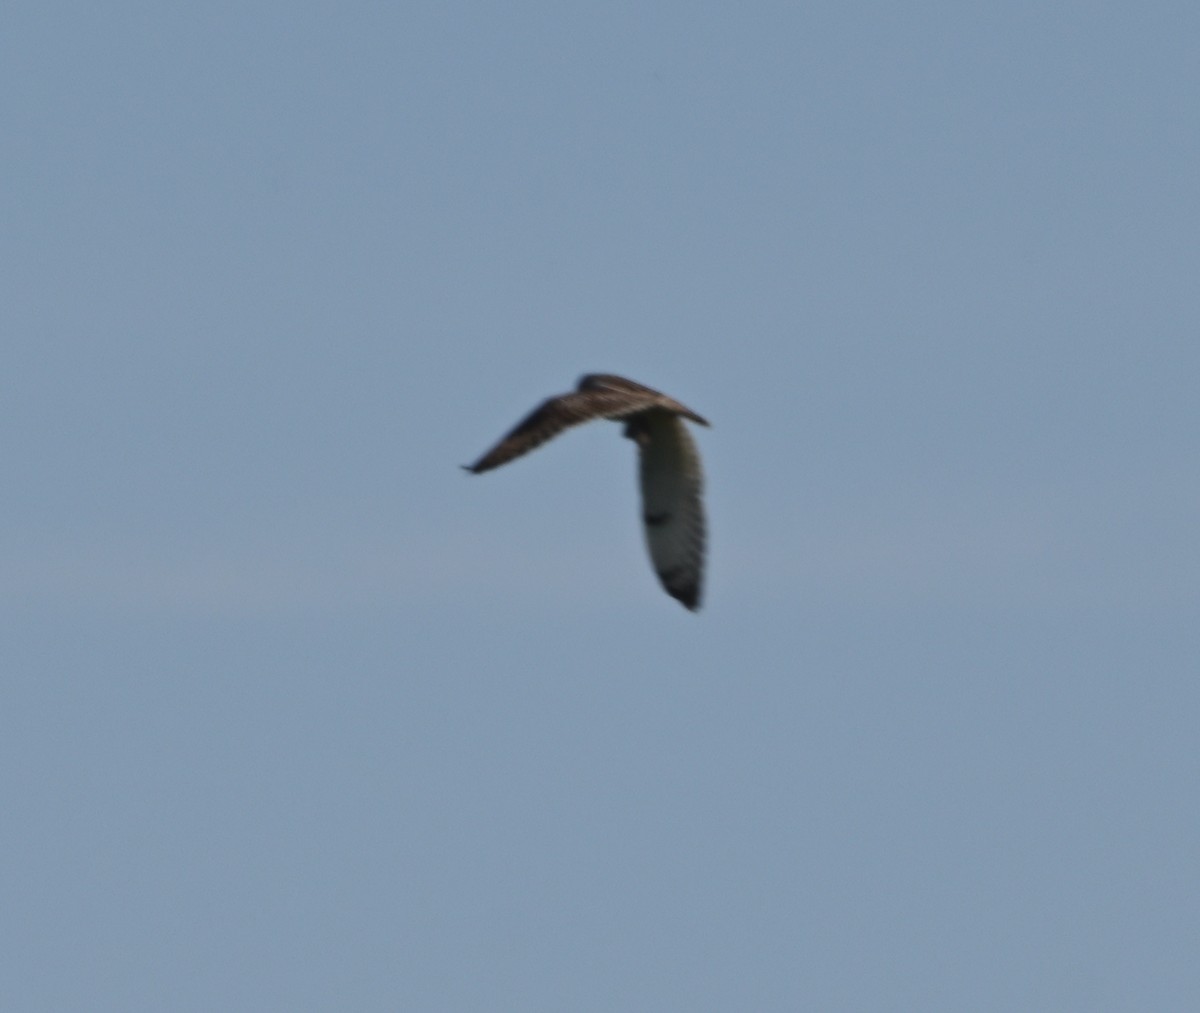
<point>297,715</point>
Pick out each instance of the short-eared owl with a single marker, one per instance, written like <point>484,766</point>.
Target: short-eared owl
<point>671,477</point>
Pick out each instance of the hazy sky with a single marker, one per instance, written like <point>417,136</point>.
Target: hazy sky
<point>297,715</point>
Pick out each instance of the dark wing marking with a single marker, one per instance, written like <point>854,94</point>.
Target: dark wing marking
<point>552,416</point>
<point>672,481</point>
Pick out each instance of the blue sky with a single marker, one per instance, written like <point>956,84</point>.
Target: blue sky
<point>297,715</point>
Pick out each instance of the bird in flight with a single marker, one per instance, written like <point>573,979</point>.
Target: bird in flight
<point>671,477</point>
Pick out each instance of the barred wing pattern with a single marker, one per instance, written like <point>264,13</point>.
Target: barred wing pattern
<point>669,467</point>
<point>672,483</point>
<point>550,418</point>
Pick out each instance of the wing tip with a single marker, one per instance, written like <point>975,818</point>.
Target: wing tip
<point>688,596</point>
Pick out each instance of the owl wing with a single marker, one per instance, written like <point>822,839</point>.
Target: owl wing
<point>556,414</point>
<point>672,482</point>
